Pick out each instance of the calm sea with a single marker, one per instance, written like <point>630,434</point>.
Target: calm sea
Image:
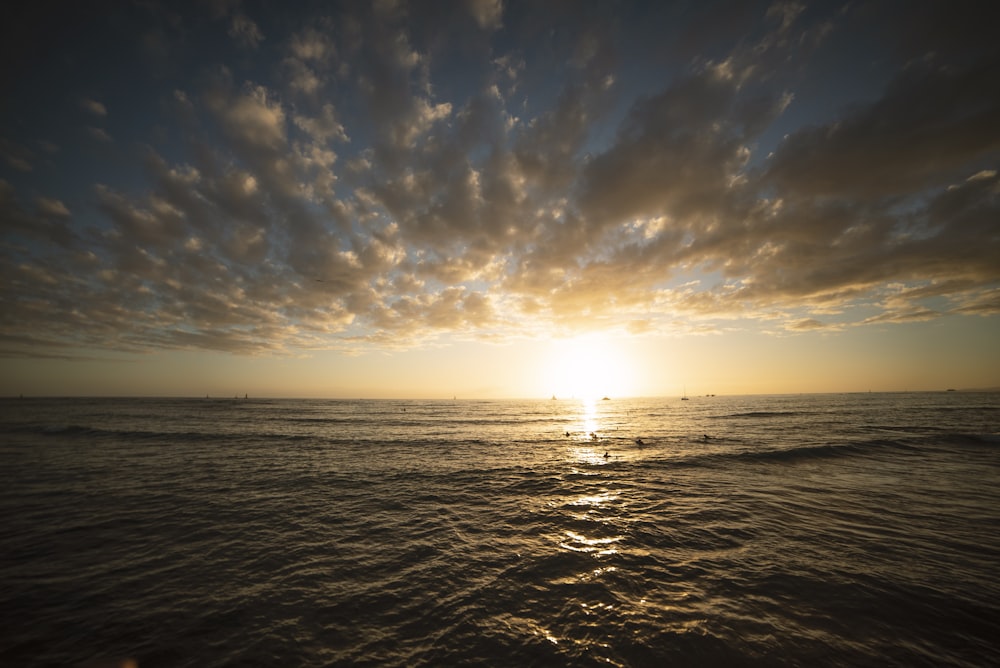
<point>858,530</point>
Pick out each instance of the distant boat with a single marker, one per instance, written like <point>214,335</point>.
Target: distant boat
<point>605,399</point>
<point>553,397</point>
<point>684,397</point>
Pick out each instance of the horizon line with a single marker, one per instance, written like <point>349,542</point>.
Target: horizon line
<point>247,397</point>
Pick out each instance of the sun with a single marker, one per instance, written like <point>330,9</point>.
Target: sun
<point>590,367</point>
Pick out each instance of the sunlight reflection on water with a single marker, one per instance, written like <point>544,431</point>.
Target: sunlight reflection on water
<point>594,499</point>
<point>534,549</point>
<point>593,456</point>
<point>580,543</point>
<point>588,417</point>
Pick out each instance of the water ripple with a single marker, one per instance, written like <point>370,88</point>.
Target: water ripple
<point>308,534</point>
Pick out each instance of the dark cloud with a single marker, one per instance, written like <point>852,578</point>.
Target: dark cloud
<point>94,107</point>
<point>390,173</point>
<point>931,123</point>
<point>806,325</point>
<point>245,31</point>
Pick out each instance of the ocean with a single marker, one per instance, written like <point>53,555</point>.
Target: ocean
<point>819,530</point>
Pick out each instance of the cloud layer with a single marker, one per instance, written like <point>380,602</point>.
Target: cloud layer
<point>388,175</point>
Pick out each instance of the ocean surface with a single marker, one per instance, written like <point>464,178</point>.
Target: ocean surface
<point>812,530</point>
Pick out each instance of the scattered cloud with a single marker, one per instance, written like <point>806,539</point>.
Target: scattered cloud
<point>245,31</point>
<point>16,156</point>
<point>100,134</point>
<point>94,107</point>
<point>806,324</point>
<point>370,187</point>
<point>488,14</point>
<point>323,128</point>
<point>930,122</point>
<point>52,208</point>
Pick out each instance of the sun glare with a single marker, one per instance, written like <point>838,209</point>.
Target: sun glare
<point>590,368</point>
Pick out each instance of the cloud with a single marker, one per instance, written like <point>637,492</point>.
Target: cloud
<point>245,31</point>
<point>930,122</point>
<point>100,134</point>
<point>323,128</point>
<point>807,325</point>
<point>313,58</point>
<point>251,116</point>
<point>94,107</point>
<point>16,156</point>
<point>52,208</point>
<point>676,153</point>
<point>313,44</point>
<point>488,14</point>
<point>908,315</point>
<point>394,176</point>
<point>982,303</point>
<point>22,229</point>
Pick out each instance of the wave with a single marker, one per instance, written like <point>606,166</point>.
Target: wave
<point>446,545</point>
<point>829,450</point>
<point>422,419</point>
<point>330,420</point>
<point>766,414</point>
<point>73,431</point>
<point>805,452</point>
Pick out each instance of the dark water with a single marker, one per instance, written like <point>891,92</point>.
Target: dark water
<point>807,530</point>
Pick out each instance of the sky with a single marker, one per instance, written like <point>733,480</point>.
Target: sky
<point>490,198</point>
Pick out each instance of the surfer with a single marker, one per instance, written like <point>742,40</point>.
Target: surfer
<point>706,437</point>
<point>606,455</point>
<point>639,442</point>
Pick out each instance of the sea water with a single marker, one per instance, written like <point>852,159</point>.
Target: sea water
<point>859,529</point>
